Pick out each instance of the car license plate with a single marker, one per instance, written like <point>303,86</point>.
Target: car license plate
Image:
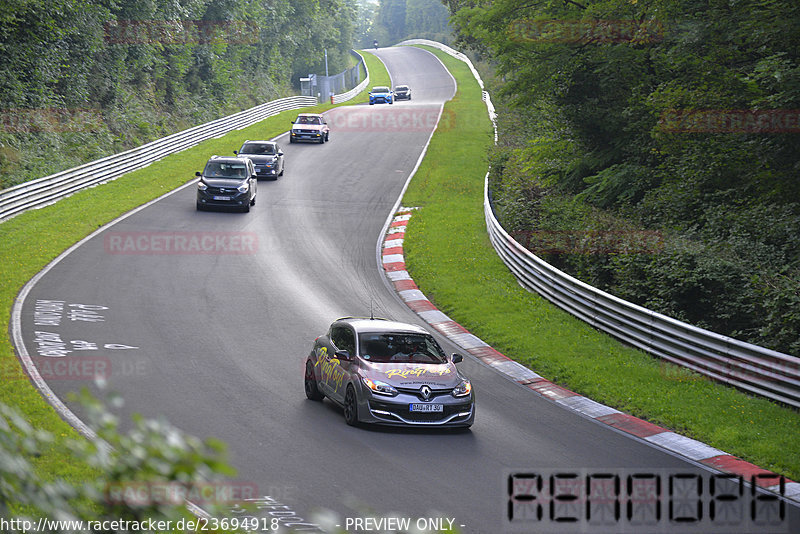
<point>426,408</point>
<point>221,198</point>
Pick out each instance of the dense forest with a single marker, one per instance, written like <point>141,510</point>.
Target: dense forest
<point>653,149</point>
<point>81,79</point>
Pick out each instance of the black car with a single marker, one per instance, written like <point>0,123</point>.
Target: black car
<point>402,92</point>
<point>388,373</point>
<point>267,157</point>
<point>227,182</point>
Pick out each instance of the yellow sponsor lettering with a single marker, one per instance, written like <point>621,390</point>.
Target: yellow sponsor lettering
<point>417,372</point>
<point>331,372</point>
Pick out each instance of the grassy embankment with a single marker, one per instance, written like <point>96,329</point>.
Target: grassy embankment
<point>449,255</point>
<point>33,239</point>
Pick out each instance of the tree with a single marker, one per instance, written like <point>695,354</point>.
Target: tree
<point>675,114</point>
<point>392,17</point>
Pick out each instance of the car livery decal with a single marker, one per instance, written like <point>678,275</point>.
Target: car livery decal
<point>330,371</point>
<point>417,371</point>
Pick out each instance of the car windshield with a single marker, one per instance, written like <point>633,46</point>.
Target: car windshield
<point>380,89</point>
<point>384,347</point>
<point>307,120</point>
<point>401,88</point>
<point>258,148</point>
<point>224,169</point>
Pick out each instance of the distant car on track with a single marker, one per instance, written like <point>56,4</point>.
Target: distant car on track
<point>381,95</point>
<point>267,157</point>
<point>227,182</point>
<point>388,373</point>
<point>402,92</point>
<point>310,127</point>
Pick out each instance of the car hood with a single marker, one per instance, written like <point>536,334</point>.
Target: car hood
<point>223,182</point>
<point>413,374</point>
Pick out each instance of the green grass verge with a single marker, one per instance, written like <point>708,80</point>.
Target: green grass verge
<point>33,239</point>
<point>449,255</point>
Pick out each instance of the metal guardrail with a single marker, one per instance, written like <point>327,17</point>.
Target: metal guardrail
<point>43,191</point>
<point>755,369</point>
<point>752,368</point>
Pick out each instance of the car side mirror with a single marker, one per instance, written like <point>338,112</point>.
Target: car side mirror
<point>457,358</point>
<point>198,173</point>
<point>280,152</point>
<point>236,152</point>
<point>342,355</point>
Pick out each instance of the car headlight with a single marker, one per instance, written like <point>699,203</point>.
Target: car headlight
<point>244,187</point>
<point>463,389</point>
<point>381,388</point>
<point>201,186</point>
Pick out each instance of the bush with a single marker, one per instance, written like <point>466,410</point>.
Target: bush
<point>151,454</point>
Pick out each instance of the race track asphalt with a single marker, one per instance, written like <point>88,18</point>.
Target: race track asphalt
<point>221,336</point>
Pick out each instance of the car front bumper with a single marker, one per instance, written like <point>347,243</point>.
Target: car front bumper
<point>395,411</point>
<point>267,172</point>
<point>306,135</point>
<point>217,199</point>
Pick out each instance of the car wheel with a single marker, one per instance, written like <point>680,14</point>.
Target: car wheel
<point>200,207</point>
<point>322,139</point>
<point>282,170</point>
<point>253,201</point>
<point>350,407</point>
<point>327,136</point>
<point>372,103</point>
<point>291,139</point>
<point>310,384</point>
<point>246,207</point>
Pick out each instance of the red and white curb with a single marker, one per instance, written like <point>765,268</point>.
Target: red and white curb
<point>394,267</point>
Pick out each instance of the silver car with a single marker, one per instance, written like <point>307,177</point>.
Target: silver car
<point>388,373</point>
